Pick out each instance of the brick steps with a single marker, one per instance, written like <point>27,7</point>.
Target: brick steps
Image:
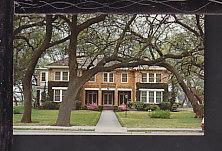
<point>107,107</point>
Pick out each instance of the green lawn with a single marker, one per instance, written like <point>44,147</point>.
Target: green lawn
<point>182,119</point>
<point>48,117</point>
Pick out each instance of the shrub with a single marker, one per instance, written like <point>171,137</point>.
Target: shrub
<point>165,105</point>
<point>100,108</point>
<point>152,107</point>
<point>50,105</point>
<point>78,105</point>
<point>165,114</point>
<point>122,107</point>
<point>83,107</point>
<point>129,104</point>
<point>115,108</point>
<point>93,107</point>
<point>140,106</point>
<point>174,107</point>
<point>18,110</point>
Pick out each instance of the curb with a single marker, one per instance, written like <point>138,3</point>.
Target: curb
<point>54,128</point>
<point>163,130</point>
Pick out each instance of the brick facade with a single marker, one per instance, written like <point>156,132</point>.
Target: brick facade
<point>109,93</point>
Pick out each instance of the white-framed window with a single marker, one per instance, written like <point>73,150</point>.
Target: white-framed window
<point>57,76</point>
<point>43,76</point>
<point>151,95</point>
<point>65,75</point>
<point>124,77</point>
<point>144,77</point>
<point>92,79</point>
<point>159,96</point>
<point>144,96</point>
<point>158,78</point>
<point>151,77</point>
<point>61,76</point>
<point>57,97</point>
<point>59,94</point>
<point>108,77</point>
<point>63,94</point>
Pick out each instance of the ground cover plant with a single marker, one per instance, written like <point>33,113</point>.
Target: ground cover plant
<point>181,119</point>
<point>48,117</point>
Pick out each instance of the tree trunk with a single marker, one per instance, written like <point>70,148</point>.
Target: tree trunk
<point>68,104</point>
<point>27,81</point>
<point>75,82</point>
<point>69,101</point>
<point>27,92</point>
<point>197,107</point>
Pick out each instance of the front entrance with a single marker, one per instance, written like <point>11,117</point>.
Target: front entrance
<point>124,97</point>
<point>91,97</point>
<point>108,97</point>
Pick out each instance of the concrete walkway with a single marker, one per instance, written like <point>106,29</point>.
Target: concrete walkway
<point>108,122</point>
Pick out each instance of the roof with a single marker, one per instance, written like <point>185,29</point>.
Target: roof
<point>84,62</point>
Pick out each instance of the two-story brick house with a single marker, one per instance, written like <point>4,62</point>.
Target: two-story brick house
<point>146,84</point>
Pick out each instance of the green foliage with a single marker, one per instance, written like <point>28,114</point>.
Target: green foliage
<point>48,117</point>
<point>152,107</point>
<point>182,119</point>
<point>83,107</point>
<point>129,104</point>
<point>50,105</point>
<point>78,105</point>
<point>174,107</point>
<point>18,110</point>
<point>166,105</point>
<point>165,114</point>
<point>140,106</point>
<point>115,108</point>
<point>100,108</point>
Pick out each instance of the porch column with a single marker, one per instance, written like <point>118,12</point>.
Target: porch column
<point>133,95</point>
<point>83,96</point>
<point>100,97</point>
<point>116,97</point>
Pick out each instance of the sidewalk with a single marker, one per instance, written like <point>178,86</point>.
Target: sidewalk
<point>108,122</point>
<point>187,130</point>
<point>60,128</point>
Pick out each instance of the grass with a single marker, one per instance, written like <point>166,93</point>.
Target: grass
<point>182,119</point>
<point>48,117</point>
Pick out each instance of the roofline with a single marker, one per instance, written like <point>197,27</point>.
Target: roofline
<point>64,67</point>
<point>129,69</point>
<point>41,68</point>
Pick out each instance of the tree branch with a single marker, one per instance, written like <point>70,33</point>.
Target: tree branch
<point>90,22</point>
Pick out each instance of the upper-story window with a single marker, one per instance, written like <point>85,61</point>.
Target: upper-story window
<point>57,76</point>
<point>158,78</point>
<point>65,76</point>
<point>43,76</point>
<point>151,77</point>
<point>61,76</point>
<point>93,79</point>
<point>108,77</point>
<point>144,77</point>
<point>124,77</point>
